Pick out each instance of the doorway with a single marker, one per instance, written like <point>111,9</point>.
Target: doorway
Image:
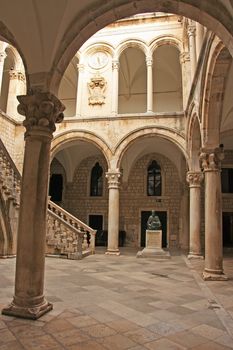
<point>56,187</point>
<point>96,222</point>
<point>227,229</point>
<point>163,219</point>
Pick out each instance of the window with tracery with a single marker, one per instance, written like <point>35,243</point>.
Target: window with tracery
<point>96,181</point>
<point>154,179</point>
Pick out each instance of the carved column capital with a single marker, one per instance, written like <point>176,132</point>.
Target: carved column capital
<point>184,57</point>
<point>113,178</point>
<point>194,178</point>
<point>16,75</point>
<point>80,67</point>
<point>149,61</point>
<point>210,159</point>
<point>115,64</point>
<point>191,30</point>
<point>42,110</point>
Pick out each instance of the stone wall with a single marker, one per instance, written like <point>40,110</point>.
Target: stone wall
<point>7,132</point>
<point>134,199</point>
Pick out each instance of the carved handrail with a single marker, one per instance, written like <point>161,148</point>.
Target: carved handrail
<point>66,234</point>
<point>88,232</point>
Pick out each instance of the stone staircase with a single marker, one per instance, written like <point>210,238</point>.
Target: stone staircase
<point>66,235</point>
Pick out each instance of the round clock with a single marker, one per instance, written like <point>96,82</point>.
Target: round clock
<point>98,59</point>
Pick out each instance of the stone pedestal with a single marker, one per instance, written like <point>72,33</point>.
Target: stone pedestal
<point>153,248</point>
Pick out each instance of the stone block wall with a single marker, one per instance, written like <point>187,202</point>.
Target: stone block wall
<point>134,199</point>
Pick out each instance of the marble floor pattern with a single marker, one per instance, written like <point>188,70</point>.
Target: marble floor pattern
<point>116,303</point>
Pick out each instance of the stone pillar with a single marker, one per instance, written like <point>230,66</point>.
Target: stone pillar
<point>115,85</point>
<point>194,179</point>
<point>80,68</point>
<point>17,86</point>
<point>42,111</point>
<point>113,212</point>
<point>149,65</point>
<point>199,38</point>
<point>186,81</point>
<point>192,48</point>
<point>210,161</point>
<point>2,60</point>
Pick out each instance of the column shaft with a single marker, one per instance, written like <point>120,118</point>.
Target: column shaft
<point>199,38</point>
<point>113,213</point>
<point>194,179</point>
<point>213,216</point>
<point>149,64</point>
<point>115,86</point>
<point>42,110</point>
<point>192,49</point>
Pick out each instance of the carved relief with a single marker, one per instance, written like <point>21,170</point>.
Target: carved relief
<point>97,87</point>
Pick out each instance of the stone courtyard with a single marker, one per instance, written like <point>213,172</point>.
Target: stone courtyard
<point>109,302</point>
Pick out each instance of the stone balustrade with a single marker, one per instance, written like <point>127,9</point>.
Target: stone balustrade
<point>66,235</point>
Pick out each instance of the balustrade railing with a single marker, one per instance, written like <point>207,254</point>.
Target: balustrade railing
<point>66,235</point>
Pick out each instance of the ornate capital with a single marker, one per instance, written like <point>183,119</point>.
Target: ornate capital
<point>184,57</point>
<point>115,64</point>
<point>194,178</point>
<point>191,30</point>
<point>210,159</point>
<point>15,74</point>
<point>149,61</point>
<point>80,67</point>
<point>42,110</point>
<point>113,178</point>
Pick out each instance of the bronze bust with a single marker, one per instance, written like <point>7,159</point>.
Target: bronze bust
<point>153,222</point>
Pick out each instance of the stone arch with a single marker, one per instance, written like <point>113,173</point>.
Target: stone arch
<point>132,43</point>
<point>103,45</point>
<point>173,136</point>
<point>67,138</point>
<point>213,95</point>
<point>215,17</point>
<point>165,40</point>
<point>194,142</point>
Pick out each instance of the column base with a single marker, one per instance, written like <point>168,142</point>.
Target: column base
<point>33,312</point>
<point>113,252</point>
<point>195,256</point>
<point>214,275</point>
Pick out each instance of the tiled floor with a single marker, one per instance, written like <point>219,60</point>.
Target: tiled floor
<point>107,302</point>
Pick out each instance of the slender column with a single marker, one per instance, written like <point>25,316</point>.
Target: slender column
<point>2,60</point>
<point>42,111</point>
<point>115,85</point>
<point>149,65</point>
<point>192,48</point>
<point>17,86</point>
<point>199,37</point>
<point>194,179</point>
<point>210,160</point>
<point>186,81</point>
<point>80,68</point>
<point>113,212</point>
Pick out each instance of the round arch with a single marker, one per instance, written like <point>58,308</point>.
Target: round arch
<point>194,142</point>
<point>216,19</point>
<point>163,132</point>
<point>165,40</point>
<point>65,139</point>
<point>132,43</point>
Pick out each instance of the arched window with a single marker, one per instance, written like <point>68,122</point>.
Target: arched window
<point>97,180</point>
<point>154,179</point>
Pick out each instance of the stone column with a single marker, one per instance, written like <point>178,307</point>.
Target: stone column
<point>2,60</point>
<point>42,111</point>
<point>210,161</point>
<point>17,86</point>
<point>199,37</point>
<point>192,48</point>
<point>194,179</point>
<point>80,68</point>
<point>186,81</point>
<point>115,85</point>
<point>149,65</point>
<point>113,212</point>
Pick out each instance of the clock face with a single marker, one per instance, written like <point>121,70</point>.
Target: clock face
<point>98,60</point>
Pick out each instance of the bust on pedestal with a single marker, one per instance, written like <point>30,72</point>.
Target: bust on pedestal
<point>153,248</point>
